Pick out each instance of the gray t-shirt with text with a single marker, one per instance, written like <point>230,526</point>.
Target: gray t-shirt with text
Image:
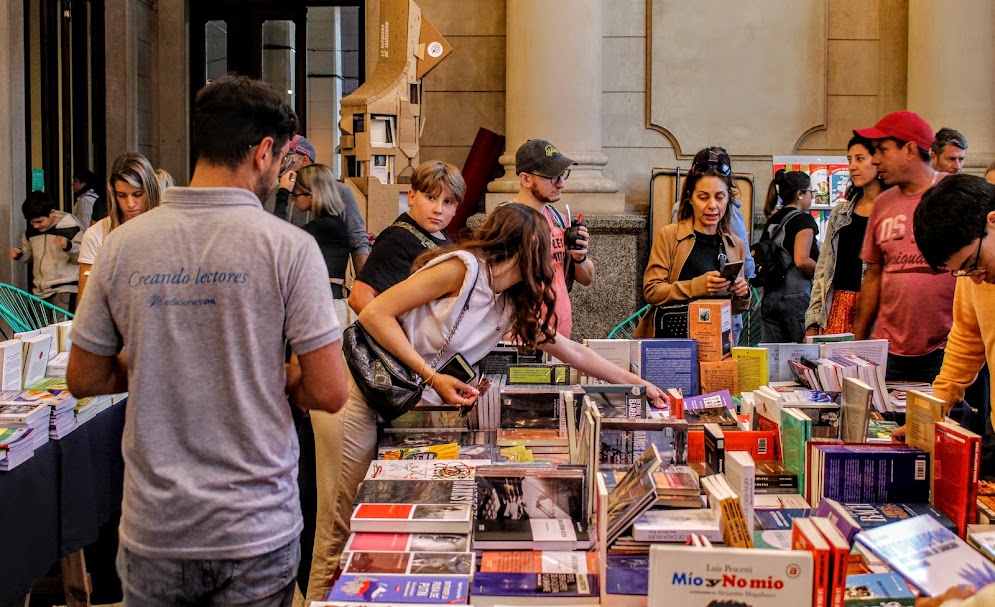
<point>202,291</point>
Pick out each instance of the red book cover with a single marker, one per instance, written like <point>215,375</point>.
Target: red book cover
<point>805,536</point>
<point>955,473</point>
<point>761,444</point>
<point>838,562</point>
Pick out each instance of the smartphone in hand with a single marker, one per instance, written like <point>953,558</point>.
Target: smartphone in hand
<point>731,270</point>
<point>459,368</point>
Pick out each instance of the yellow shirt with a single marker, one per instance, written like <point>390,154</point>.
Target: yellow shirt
<point>971,341</point>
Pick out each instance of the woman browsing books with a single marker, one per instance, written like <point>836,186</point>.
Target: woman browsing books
<point>505,274</point>
<point>785,303</point>
<point>840,270</point>
<point>688,257</point>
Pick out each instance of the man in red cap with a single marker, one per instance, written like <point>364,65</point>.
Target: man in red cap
<point>905,300</point>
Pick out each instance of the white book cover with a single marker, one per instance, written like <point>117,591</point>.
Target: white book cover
<point>10,358</point>
<point>35,361</point>
<point>53,333</point>
<point>741,472</point>
<point>703,577</point>
<point>424,470</point>
<point>676,525</point>
<point>63,329</point>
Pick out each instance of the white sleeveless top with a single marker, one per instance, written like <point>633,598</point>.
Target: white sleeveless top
<point>484,324</point>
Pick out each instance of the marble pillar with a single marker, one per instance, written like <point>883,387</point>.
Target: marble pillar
<point>554,92</point>
<point>951,63</point>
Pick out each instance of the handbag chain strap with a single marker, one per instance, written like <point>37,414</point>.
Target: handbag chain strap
<point>466,306</point>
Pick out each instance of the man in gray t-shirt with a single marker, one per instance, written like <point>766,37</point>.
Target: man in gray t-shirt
<point>202,292</point>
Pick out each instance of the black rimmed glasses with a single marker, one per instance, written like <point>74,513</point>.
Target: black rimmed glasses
<point>975,268</point>
<point>561,177</point>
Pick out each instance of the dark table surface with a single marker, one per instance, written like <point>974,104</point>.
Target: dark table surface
<point>55,503</point>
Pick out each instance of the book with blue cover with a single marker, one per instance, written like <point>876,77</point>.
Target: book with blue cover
<point>780,520</point>
<point>863,473</point>
<point>394,588</point>
<point>627,574</point>
<point>877,590</point>
<point>928,555</point>
<point>669,363</point>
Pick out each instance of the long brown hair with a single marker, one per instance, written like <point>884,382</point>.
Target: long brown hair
<point>515,231</point>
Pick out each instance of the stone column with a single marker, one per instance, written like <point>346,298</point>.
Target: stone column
<point>13,169</point>
<point>951,62</point>
<point>554,91</point>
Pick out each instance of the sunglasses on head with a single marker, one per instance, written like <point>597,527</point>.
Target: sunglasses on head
<point>713,161</point>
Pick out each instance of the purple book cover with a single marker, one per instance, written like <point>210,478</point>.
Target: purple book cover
<point>837,513</point>
<point>535,584</point>
<point>627,574</point>
<point>374,588</point>
<point>854,474</point>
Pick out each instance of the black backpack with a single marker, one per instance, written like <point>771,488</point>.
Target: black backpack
<point>772,259</point>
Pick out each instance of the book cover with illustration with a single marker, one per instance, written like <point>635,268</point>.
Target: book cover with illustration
<point>424,470</point>
<point>928,555</point>
<point>392,588</point>
<point>709,577</point>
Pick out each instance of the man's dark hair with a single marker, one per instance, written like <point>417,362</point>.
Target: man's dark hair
<point>948,136</point>
<point>234,113</point>
<point>923,154</point>
<point>37,204</point>
<point>952,215</point>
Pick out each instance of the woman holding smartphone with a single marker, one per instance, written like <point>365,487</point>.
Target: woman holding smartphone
<point>689,257</point>
<point>505,275</point>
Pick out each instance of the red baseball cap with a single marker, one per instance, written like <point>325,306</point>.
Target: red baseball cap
<point>902,125</point>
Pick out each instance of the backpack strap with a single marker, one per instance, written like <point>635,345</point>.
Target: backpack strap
<point>424,240</point>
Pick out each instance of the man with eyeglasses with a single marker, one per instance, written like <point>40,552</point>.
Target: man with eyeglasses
<point>542,173</point>
<point>953,227</point>
<point>905,300</point>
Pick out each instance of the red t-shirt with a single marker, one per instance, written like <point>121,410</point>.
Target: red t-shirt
<point>564,311</point>
<point>916,303</point>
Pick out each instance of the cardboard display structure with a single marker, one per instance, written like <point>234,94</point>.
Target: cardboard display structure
<point>382,120</point>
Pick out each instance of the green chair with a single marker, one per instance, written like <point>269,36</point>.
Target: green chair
<point>625,329</point>
<point>23,311</point>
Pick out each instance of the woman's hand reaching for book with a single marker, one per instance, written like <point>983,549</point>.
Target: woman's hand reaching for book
<point>453,391</point>
<point>955,592</point>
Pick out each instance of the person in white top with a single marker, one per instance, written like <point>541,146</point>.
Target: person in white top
<point>505,273</point>
<point>132,189</point>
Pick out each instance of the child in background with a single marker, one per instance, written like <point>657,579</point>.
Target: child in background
<point>51,241</point>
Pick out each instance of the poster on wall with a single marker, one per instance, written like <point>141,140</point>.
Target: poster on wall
<point>830,179</point>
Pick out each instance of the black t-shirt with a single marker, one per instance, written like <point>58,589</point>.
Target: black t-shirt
<point>797,223</point>
<point>393,254</point>
<point>704,256</point>
<point>849,267</point>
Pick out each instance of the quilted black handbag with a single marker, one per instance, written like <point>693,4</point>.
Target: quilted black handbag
<point>388,385</point>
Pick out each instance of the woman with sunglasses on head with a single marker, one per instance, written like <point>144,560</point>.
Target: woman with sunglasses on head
<point>687,256</point>
<point>840,270</point>
<point>460,299</point>
<point>337,226</point>
<point>789,199</point>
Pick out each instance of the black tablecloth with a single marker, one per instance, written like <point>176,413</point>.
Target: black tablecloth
<point>55,503</point>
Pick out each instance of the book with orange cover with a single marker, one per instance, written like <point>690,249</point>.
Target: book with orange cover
<point>805,536</point>
<point>957,456</point>
<point>839,558</point>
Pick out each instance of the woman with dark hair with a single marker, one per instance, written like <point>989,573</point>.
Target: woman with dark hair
<point>783,308</point>
<point>88,206</point>
<point>840,270</point>
<point>688,255</point>
<point>499,282</point>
